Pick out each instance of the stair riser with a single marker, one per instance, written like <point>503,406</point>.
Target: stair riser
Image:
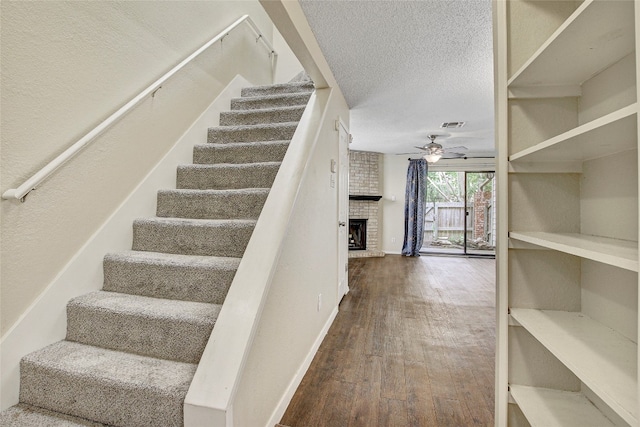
<point>210,206</point>
<point>269,102</point>
<point>104,402</point>
<point>259,117</point>
<point>184,283</point>
<point>276,132</point>
<point>239,153</point>
<point>134,333</point>
<point>206,178</point>
<point>306,87</point>
<point>229,241</point>
<point>23,415</point>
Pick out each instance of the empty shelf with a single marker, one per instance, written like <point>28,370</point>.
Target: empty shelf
<point>600,357</point>
<point>595,36</point>
<point>607,135</point>
<point>544,407</point>
<point>619,253</point>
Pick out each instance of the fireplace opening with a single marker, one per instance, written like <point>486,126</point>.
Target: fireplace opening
<point>357,234</point>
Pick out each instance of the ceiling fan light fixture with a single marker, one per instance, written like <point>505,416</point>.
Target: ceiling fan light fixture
<point>432,157</point>
<point>434,151</point>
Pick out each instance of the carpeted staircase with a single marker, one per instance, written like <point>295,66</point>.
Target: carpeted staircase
<point>132,348</point>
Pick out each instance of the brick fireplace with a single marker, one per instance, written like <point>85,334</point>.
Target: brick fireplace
<point>364,186</point>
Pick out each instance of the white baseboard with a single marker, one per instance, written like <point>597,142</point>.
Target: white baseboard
<point>280,409</point>
<point>44,322</point>
<point>393,252</point>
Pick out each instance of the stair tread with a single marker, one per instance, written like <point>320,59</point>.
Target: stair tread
<point>115,367</point>
<point>302,84</point>
<point>212,153</point>
<point>285,95</point>
<point>257,111</point>
<point>255,165</point>
<point>222,192</point>
<point>23,415</point>
<point>216,237</point>
<point>198,222</point>
<point>107,386</point>
<point>256,126</point>
<point>269,115</point>
<point>243,144</point>
<point>175,276</point>
<point>203,261</point>
<point>253,101</point>
<point>149,307</point>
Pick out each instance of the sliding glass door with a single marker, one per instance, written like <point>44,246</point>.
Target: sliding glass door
<point>460,216</point>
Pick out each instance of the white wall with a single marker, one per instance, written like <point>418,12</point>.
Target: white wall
<point>287,65</point>
<point>291,323</point>
<point>394,181</point>
<point>65,67</point>
<point>393,184</point>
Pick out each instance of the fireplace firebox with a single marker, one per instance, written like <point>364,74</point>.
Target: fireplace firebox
<point>357,234</point>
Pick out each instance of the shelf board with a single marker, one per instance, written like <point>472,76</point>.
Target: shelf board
<point>613,133</point>
<point>545,407</point>
<point>604,360</point>
<point>595,36</point>
<point>619,253</point>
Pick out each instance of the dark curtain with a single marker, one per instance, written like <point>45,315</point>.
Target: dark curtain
<point>414,207</point>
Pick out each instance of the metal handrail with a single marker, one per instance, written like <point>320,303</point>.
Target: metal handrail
<point>32,183</point>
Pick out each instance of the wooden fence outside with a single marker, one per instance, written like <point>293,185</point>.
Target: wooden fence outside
<point>445,221</point>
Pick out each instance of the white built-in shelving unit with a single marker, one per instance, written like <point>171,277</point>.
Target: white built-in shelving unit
<point>567,133</point>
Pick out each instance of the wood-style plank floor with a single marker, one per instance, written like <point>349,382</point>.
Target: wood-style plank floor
<point>412,345</point>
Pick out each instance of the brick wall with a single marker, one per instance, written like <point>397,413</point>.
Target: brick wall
<point>480,201</point>
<point>364,179</point>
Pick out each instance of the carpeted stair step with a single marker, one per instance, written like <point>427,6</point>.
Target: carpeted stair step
<point>270,101</point>
<point>261,116</point>
<point>227,176</point>
<point>296,87</point>
<point>251,133</point>
<point>154,327</point>
<point>171,276</point>
<point>212,204</point>
<point>106,386</point>
<point>23,415</point>
<point>212,237</point>
<point>240,152</point>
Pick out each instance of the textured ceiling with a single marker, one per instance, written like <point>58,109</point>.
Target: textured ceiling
<point>405,67</point>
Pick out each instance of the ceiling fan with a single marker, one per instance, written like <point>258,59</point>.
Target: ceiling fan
<point>435,151</point>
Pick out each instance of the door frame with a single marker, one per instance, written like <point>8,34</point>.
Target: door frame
<point>343,208</point>
<point>464,251</point>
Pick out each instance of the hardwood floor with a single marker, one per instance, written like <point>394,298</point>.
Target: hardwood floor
<point>412,345</point>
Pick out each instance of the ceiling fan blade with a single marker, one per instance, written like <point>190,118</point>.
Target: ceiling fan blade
<point>420,148</point>
<point>458,148</point>
<point>449,155</point>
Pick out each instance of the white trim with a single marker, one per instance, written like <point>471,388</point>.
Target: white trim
<point>343,199</point>
<point>44,322</point>
<point>280,409</point>
<point>564,91</point>
<point>393,252</point>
